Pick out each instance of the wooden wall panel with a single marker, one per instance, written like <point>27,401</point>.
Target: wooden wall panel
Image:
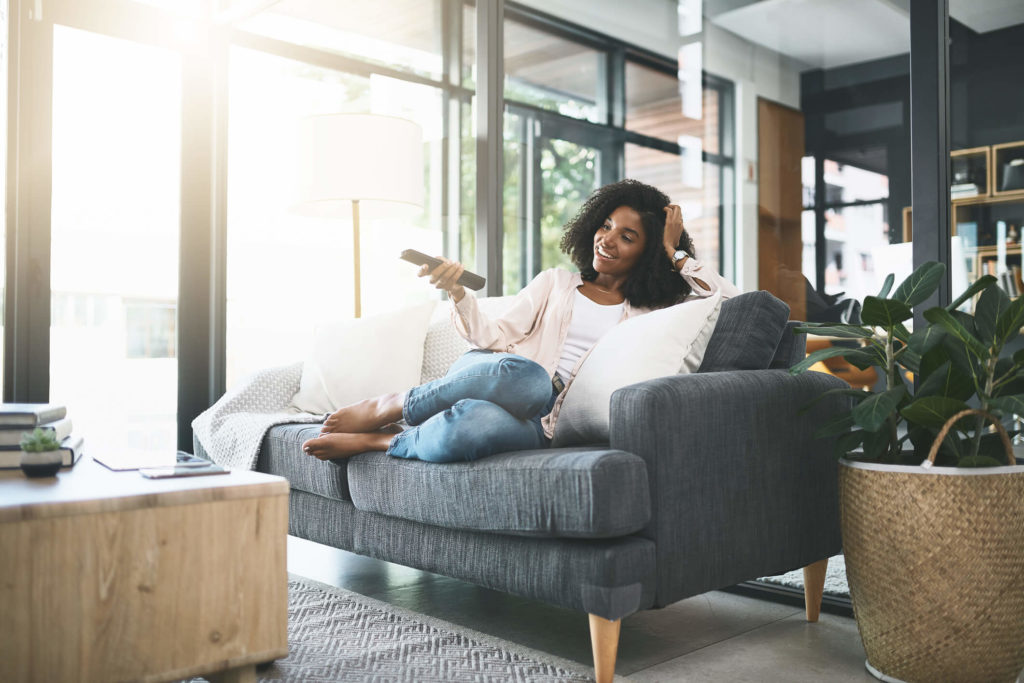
<point>780,134</point>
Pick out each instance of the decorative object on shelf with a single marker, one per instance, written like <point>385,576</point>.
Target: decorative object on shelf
<point>349,159</point>
<point>951,598</point>
<point>41,455</point>
<point>1013,175</point>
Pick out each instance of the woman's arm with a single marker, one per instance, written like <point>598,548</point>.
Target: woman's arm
<point>703,280</point>
<point>479,329</point>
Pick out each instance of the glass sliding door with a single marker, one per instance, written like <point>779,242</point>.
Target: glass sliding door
<point>551,166</point>
<point>115,223</point>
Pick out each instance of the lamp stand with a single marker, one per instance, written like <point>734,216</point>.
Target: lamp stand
<point>355,255</point>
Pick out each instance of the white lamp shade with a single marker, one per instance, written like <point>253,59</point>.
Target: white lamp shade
<point>365,157</point>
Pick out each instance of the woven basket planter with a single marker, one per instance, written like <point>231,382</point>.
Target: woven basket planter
<point>935,564</point>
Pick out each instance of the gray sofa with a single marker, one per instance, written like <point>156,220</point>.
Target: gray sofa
<point>709,479</point>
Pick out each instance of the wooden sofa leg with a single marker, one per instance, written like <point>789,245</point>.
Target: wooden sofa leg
<point>814,587</point>
<point>604,640</point>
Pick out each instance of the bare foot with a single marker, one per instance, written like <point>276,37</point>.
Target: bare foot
<point>365,416</point>
<point>332,446</point>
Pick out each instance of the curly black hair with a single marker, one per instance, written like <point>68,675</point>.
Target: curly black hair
<point>653,283</point>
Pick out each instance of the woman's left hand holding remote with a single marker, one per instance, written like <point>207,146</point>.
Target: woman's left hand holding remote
<point>446,276</point>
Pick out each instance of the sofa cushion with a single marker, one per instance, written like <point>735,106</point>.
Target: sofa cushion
<point>663,342</point>
<point>577,493</point>
<point>281,454</point>
<point>748,332</point>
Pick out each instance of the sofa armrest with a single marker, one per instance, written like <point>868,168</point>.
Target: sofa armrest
<point>740,488</point>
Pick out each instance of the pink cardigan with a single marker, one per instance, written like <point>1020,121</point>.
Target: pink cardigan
<point>538,321</point>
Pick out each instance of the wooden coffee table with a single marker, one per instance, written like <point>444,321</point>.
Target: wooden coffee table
<point>107,576</point>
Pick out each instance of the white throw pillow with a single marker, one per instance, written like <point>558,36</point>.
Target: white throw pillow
<point>657,344</point>
<point>443,345</point>
<point>363,357</point>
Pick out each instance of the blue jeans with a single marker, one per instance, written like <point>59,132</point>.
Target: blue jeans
<point>487,403</point>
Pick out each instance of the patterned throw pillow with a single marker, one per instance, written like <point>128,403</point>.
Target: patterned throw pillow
<point>443,345</point>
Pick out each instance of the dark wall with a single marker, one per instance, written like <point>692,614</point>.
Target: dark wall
<point>860,114</point>
<point>987,86</point>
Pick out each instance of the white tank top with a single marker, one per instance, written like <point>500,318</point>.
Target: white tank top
<point>590,320</point>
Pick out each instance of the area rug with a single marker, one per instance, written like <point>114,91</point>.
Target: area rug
<point>337,635</point>
<point>835,578</point>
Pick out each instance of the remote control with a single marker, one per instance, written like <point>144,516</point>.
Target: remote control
<point>467,279</point>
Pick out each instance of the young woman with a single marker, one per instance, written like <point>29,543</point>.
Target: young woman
<point>633,256</point>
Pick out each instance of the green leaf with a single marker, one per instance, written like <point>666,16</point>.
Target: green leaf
<point>935,359</point>
<point>979,461</point>
<point>991,306</point>
<point>1018,357</point>
<point>821,354</point>
<point>911,361</point>
<point>884,312</point>
<point>848,442</point>
<point>1010,321</point>
<point>834,330</point>
<point>942,317</point>
<point>872,413</point>
<point>923,438</point>
<point>856,394</point>
<point>1010,405</point>
<point>867,357</point>
<point>840,425</point>
<point>902,333</point>
<point>921,284</point>
<point>932,411</point>
<point>992,446</point>
<point>876,445</point>
<point>924,340</point>
<point>948,380</point>
<point>886,286</point>
<point>981,283</point>
<point>969,364</point>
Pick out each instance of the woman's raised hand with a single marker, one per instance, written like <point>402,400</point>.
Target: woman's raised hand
<point>445,276</point>
<point>673,228</point>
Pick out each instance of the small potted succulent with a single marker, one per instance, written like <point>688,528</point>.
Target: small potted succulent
<point>40,453</point>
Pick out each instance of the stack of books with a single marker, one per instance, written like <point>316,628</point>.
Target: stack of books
<point>18,418</point>
<point>961,190</point>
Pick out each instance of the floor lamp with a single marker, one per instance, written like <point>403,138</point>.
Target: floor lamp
<point>348,159</point>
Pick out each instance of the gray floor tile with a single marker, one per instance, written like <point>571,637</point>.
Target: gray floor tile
<point>711,637</point>
<point>787,651</point>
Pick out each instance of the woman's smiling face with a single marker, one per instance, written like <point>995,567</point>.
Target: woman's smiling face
<point>619,242</point>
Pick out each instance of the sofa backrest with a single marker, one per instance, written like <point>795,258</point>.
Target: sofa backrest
<point>748,332</point>
<point>748,336</point>
<point>792,347</point>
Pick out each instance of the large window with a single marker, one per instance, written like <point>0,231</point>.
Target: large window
<point>287,273</point>
<point>115,220</point>
<point>563,139</point>
<point>856,228</point>
<point>169,259</point>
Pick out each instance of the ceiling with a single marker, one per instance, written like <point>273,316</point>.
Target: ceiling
<point>830,33</point>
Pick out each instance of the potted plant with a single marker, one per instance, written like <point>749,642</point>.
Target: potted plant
<point>40,453</point>
<point>934,554</point>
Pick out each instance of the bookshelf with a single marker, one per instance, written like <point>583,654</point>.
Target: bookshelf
<point>987,207</point>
